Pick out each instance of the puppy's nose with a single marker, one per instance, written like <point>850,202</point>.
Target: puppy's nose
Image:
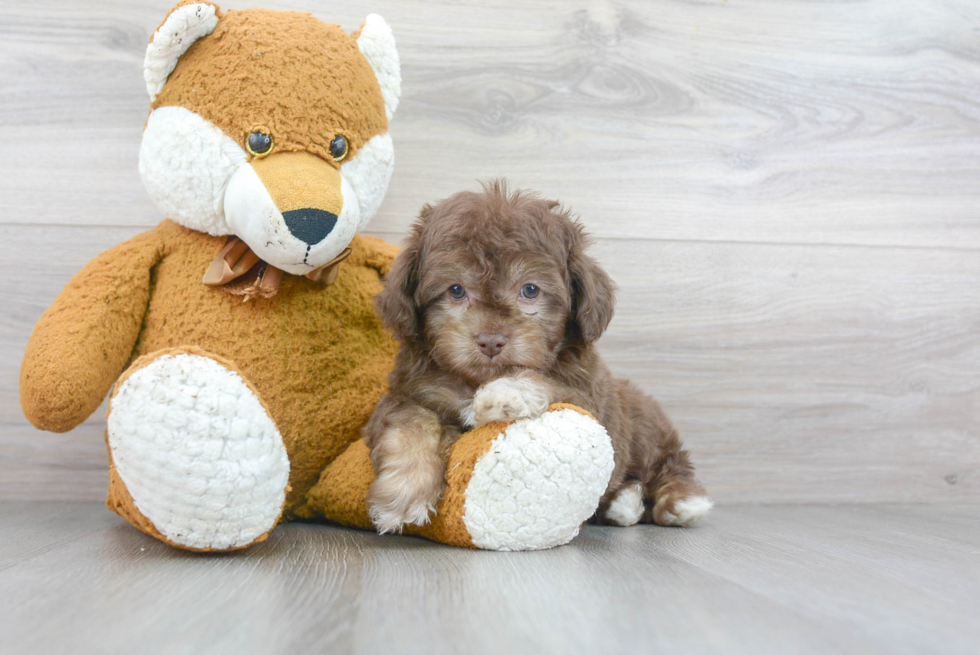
<point>491,344</point>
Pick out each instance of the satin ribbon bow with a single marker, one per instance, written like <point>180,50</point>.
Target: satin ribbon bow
<point>240,272</point>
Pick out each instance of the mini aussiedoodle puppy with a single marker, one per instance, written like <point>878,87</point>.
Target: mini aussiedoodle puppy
<point>498,307</point>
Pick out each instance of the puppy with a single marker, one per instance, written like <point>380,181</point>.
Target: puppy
<point>498,308</point>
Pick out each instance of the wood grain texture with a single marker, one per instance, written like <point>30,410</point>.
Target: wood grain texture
<point>803,121</point>
<point>786,193</point>
<point>762,579</point>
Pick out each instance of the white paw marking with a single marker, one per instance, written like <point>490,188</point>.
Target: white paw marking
<point>687,512</point>
<point>626,509</point>
<point>403,495</point>
<point>467,416</point>
<point>508,399</point>
<point>388,518</point>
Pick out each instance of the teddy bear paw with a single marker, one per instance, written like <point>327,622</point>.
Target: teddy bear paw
<point>197,452</point>
<point>540,479</point>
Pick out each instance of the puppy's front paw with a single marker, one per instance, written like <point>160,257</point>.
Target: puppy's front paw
<point>508,399</point>
<point>401,496</point>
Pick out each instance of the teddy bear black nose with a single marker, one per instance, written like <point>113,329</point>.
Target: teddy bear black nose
<point>310,226</point>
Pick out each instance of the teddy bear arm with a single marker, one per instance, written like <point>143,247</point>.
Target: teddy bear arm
<point>84,340</point>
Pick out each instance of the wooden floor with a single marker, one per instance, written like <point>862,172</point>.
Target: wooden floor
<point>752,579</point>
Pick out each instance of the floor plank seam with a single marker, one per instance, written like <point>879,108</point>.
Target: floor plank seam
<point>398,235</point>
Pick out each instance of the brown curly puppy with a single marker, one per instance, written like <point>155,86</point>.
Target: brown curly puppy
<point>498,308</point>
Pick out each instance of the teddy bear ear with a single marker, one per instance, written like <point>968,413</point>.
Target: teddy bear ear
<point>186,23</point>
<point>377,44</point>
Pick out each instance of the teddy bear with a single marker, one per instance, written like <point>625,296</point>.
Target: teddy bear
<point>237,340</point>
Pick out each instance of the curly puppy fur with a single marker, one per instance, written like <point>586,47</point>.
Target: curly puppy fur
<point>498,308</point>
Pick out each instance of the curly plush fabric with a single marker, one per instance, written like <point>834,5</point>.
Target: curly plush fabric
<point>538,482</point>
<point>317,355</point>
<point>303,81</point>
<point>194,451</point>
<point>183,26</point>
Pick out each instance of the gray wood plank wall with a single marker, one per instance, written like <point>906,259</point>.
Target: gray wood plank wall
<point>787,192</point>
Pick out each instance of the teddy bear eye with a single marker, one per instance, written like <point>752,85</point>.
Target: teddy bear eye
<point>258,144</point>
<point>338,148</point>
<point>457,292</point>
<point>530,291</point>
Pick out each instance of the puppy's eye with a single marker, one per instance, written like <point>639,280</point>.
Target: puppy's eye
<point>338,148</point>
<point>258,144</point>
<point>457,292</point>
<point>530,291</point>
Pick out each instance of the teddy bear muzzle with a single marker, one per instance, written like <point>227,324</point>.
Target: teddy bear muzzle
<point>292,209</point>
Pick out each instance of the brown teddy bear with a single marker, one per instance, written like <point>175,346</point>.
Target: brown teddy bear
<point>239,338</point>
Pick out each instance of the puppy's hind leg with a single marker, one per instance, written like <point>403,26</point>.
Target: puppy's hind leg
<point>673,495</point>
<point>626,507</point>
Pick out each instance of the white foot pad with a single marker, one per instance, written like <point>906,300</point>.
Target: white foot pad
<point>689,511</point>
<point>626,508</point>
<point>200,456</point>
<point>540,480</point>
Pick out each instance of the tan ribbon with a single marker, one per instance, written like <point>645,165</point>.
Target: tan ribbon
<point>240,272</point>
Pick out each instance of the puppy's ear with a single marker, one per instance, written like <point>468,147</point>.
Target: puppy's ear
<point>396,303</point>
<point>593,293</point>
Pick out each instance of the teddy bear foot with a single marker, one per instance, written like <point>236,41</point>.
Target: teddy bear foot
<point>539,480</point>
<point>196,461</point>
